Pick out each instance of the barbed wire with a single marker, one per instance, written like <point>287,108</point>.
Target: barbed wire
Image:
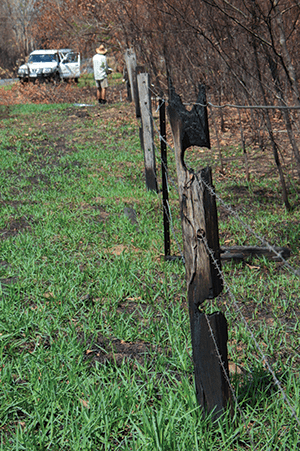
<point>250,229</point>
<point>157,95</point>
<point>238,310</point>
<point>224,370</point>
<point>233,212</point>
<point>245,107</point>
<point>229,105</point>
<point>234,302</point>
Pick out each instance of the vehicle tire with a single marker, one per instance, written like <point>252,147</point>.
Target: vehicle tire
<point>56,78</point>
<point>76,80</point>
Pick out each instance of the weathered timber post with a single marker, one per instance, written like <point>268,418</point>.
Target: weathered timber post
<point>132,71</point>
<point>164,175</point>
<point>146,132</point>
<point>130,61</point>
<point>200,233</point>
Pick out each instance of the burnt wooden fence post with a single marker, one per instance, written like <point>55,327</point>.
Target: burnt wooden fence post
<point>146,132</point>
<point>200,233</point>
<point>164,175</point>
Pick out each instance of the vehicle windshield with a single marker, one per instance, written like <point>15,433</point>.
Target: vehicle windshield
<point>43,58</point>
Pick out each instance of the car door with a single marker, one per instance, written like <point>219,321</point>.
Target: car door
<point>69,66</point>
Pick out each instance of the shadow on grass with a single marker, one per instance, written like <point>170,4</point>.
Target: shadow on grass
<point>257,387</point>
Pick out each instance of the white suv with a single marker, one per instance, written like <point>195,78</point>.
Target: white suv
<point>53,65</point>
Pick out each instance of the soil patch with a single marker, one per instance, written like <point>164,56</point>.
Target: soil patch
<point>115,351</point>
<point>14,227</point>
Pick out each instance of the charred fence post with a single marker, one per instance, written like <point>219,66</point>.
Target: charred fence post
<point>146,131</point>
<point>200,233</point>
<point>164,175</point>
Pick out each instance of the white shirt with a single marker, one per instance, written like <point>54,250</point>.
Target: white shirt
<point>100,66</point>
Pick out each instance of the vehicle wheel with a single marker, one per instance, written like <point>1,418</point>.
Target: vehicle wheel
<point>76,80</point>
<point>56,79</point>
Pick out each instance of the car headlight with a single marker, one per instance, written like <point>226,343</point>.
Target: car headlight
<point>48,70</point>
<point>23,71</point>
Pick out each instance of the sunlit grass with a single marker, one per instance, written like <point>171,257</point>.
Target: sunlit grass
<point>95,348</point>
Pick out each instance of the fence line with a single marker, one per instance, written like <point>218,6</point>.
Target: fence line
<point>271,248</point>
<point>231,296</point>
<point>229,208</point>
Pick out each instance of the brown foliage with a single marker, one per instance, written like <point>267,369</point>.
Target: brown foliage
<point>244,52</point>
<point>226,45</point>
<point>243,49</point>
<point>72,23</point>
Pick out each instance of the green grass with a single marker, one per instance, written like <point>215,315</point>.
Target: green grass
<point>94,329</point>
<point>88,79</point>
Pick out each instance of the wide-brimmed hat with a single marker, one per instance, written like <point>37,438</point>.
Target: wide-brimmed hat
<point>101,49</point>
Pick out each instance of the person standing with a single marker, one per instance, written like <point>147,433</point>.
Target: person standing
<point>100,73</point>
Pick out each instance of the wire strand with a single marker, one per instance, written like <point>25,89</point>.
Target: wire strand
<point>263,356</point>
<point>249,228</point>
<point>247,107</point>
<point>237,308</point>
